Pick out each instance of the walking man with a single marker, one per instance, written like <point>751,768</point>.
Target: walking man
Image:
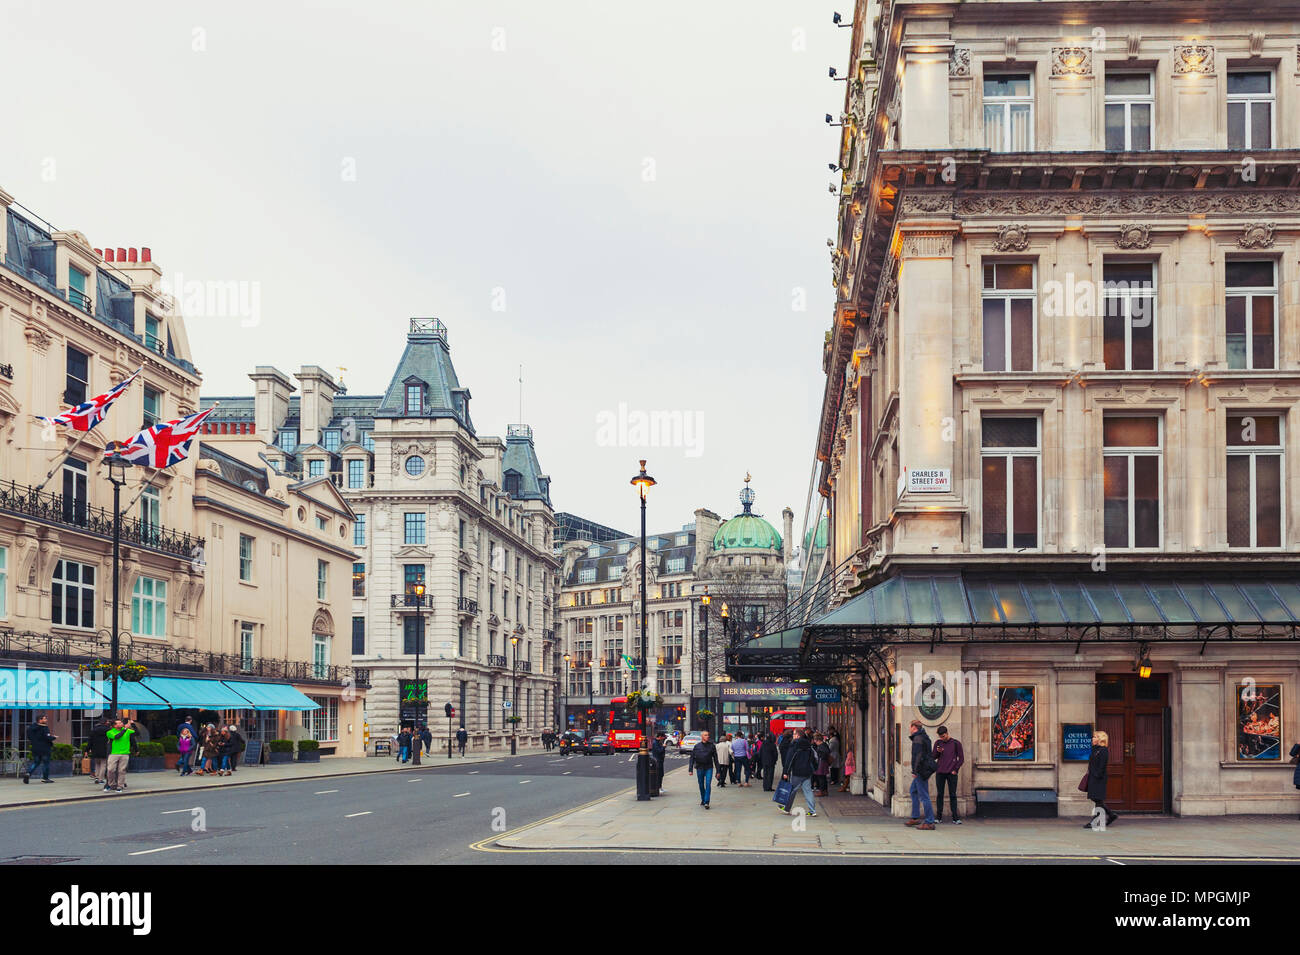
<point>404,745</point>
<point>119,753</point>
<point>801,764</point>
<point>740,760</point>
<point>722,756</point>
<point>767,758</point>
<point>40,742</point>
<point>461,739</point>
<point>417,742</point>
<point>950,757</point>
<point>99,750</point>
<point>923,766</point>
<point>703,758</point>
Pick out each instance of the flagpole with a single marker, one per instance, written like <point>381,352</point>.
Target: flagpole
<point>61,458</point>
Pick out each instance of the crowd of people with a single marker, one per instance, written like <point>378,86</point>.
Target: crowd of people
<point>810,762</point>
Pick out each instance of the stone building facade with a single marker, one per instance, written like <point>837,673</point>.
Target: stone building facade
<point>1062,393</point>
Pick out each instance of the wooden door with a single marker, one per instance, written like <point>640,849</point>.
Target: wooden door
<point>1131,712</point>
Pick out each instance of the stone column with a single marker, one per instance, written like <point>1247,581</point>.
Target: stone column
<point>1076,702</point>
<point>1198,706</point>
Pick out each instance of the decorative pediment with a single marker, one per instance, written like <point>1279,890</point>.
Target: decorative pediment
<point>322,623</point>
<point>1257,235</point>
<point>1012,238</point>
<point>1072,61</point>
<point>1134,236</point>
<point>1194,58</point>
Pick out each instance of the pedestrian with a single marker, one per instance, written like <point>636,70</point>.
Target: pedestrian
<point>40,743</point>
<point>210,754</point>
<point>397,745</point>
<point>187,723</point>
<point>417,743</point>
<point>404,745</point>
<point>185,746</point>
<point>99,750</point>
<point>723,760</point>
<point>461,739</point>
<point>949,756</point>
<point>801,763</point>
<point>1098,764</point>
<point>1295,758</point>
<point>783,748</point>
<point>833,744</point>
<point>237,747</point>
<point>119,753</point>
<point>426,737</point>
<point>820,784</point>
<point>923,767</point>
<point>767,756</point>
<point>703,759</point>
<point>225,747</point>
<point>850,767</point>
<point>658,752</point>
<point>739,759</point>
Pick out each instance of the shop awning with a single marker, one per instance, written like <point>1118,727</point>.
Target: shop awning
<point>132,696</point>
<point>273,696</point>
<point>181,692</point>
<point>28,689</point>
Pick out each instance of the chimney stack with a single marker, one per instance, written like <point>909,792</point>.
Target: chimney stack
<point>787,516</point>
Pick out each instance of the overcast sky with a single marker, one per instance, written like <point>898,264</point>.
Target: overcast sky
<point>628,199</point>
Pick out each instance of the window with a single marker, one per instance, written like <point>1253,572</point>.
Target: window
<point>1132,478</point>
<point>412,574</point>
<point>368,440</point>
<point>414,399</point>
<point>152,340</point>
<point>492,598</point>
<point>358,636</point>
<point>356,473</point>
<point>150,514</point>
<point>77,288</point>
<point>462,534</point>
<point>414,524</point>
<point>322,571</point>
<point>1250,109</point>
<point>320,655</point>
<point>322,523</point>
<point>152,407</point>
<point>676,565</point>
<point>412,634</point>
<point>78,379</point>
<point>519,568</point>
<point>330,439</point>
<point>1129,316</point>
<point>587,575</point>
<point>512,483</point>
<point>245,645</point>
<point>322,725</point>
<point>4,582</point>
<point>287,440</point>
<point>74,491</point>
<point>315,469</point>
<point>358,580</point>
<point>415,465</point>
<point>1009,479</point>
<point>1250,310</point>
<point>245,557</point>
<point>505,603</point>
<point>359,531</point>
<point>149,607</point>
<point>1130,100</point>
<point>72,595</point>
<point>460,641</point>
<point>1009,112</point>
<point>1254,481</point>
<point>1009,305</point>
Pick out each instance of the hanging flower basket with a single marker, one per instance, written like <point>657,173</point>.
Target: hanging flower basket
<point>131,671</point>
<point>704,714</point>
<point>514,719</point>
<point>643,699</point>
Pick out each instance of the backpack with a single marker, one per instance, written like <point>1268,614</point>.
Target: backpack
<point>928,766</point>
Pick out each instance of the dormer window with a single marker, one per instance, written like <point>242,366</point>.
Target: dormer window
<point>152,339</point>
<point>414,399</point>
<point>368,440</point>
<point>330,439</point>
<point>288,440</point>
<point>512,483</point>
<point>77,288</point>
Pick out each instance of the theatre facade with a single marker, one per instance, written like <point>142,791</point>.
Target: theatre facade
<point>1056,456</point>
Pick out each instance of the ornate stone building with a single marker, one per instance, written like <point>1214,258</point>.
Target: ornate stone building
<point>1062,394</point>
<point>465,517</point>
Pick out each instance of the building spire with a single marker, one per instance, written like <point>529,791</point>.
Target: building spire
<point>747,495</point>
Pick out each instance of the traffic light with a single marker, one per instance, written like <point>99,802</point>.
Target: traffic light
<point>449,710</point>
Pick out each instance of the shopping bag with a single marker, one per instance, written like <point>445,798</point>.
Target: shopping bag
<point>784,794</point>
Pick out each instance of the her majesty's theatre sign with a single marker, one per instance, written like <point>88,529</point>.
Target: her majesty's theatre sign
<point>778,693</point>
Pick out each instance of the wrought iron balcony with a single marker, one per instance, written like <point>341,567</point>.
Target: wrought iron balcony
<point>27,645</point>
<point>413,602</point>
<point>76,513</point>
<point>548,636</point>
<point>466,605</point>
<point>7,371</point>
<point>496,660</point>
<point>524,666</point>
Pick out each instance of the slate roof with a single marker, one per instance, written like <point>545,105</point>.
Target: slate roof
<point>610,563</point>
<point>427,360</point>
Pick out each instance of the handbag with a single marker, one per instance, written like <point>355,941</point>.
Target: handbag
<point>784,794</point>
<point>1083,783</point>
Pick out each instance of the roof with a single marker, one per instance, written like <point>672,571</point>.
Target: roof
<point>234,470</point>
<point>520,460</point>
<point>746,532</point>
<point>427,361</point>
<point>609,562</point>
<point>572,527</point>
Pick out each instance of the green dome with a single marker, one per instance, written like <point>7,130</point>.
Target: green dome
<point>821,537</point>
<point>747,531</point>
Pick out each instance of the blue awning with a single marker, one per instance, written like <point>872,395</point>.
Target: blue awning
<point>181,692</point>
<point>130,695</point>
<point>273,696</point>
<point>28,689</point>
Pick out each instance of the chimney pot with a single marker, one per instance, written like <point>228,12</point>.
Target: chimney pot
<point>121,254</point>
<point>145,254</point>
<point>100,253</point>
<point>108,255</point>
<point>130,255</point>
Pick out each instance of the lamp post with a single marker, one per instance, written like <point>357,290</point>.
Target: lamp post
<point>514,691</point>
<point>591,688</point>
<point>564,719</point>
<point>419,641</point>
<point>726,640</point>
<point>117,466</point>
<point>643,482</point>
<point>704,612</point>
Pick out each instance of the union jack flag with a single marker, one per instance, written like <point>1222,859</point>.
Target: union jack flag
<point>90,413</point>
<point>162,445</point>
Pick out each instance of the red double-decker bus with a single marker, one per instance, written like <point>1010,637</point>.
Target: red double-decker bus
<point>624,725</point>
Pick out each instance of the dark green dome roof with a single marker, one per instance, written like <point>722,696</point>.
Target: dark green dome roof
<point>821,537</point>
<point>746,531</point>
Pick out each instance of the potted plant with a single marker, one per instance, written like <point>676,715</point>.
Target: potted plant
<point>61,759</point>
<point>171,751</point>
<point>279,751</point>
<point>132,671</point>
<point>308,751</point>
<point>148,759</point>
<point>704,716</point>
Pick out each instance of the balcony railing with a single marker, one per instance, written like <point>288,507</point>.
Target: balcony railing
<point>7,371</point>
<point>27,645</point>
<point>524,666</point>
<point>548,635</point>
<point>410,602</point>
<point>467,605</point>
<point>98,521</point>
<point>79,299</point>
<point>496,660</point>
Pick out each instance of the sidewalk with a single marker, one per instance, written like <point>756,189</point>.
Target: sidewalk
<point>74,788</point>
<point>748,820</point>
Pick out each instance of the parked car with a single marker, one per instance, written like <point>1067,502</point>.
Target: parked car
<point>675,738</point>
<point>572,742</point>
<point>599,743</point>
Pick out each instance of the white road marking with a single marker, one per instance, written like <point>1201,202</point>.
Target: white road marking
<point>145,852</point>
<point>524,782</point>
<point>458,795</point>
<point>415,780</point>
<point>354,814</point>
<point>518,764</point>
<point>172,812</point>
<point>473,772</point>
<point>567,772</point>
<point>324,791</point>
<point>1117,863</point>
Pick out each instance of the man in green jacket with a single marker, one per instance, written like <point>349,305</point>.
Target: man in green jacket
<point>119,753</point>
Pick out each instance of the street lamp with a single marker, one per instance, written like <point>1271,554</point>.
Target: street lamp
<point>117,466</point>
<point>704,612</point>
<point>643,482</point>
<point>419,641</point>
<point>514,691</point>
<point>565,720</point>
<point>726,639</point>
